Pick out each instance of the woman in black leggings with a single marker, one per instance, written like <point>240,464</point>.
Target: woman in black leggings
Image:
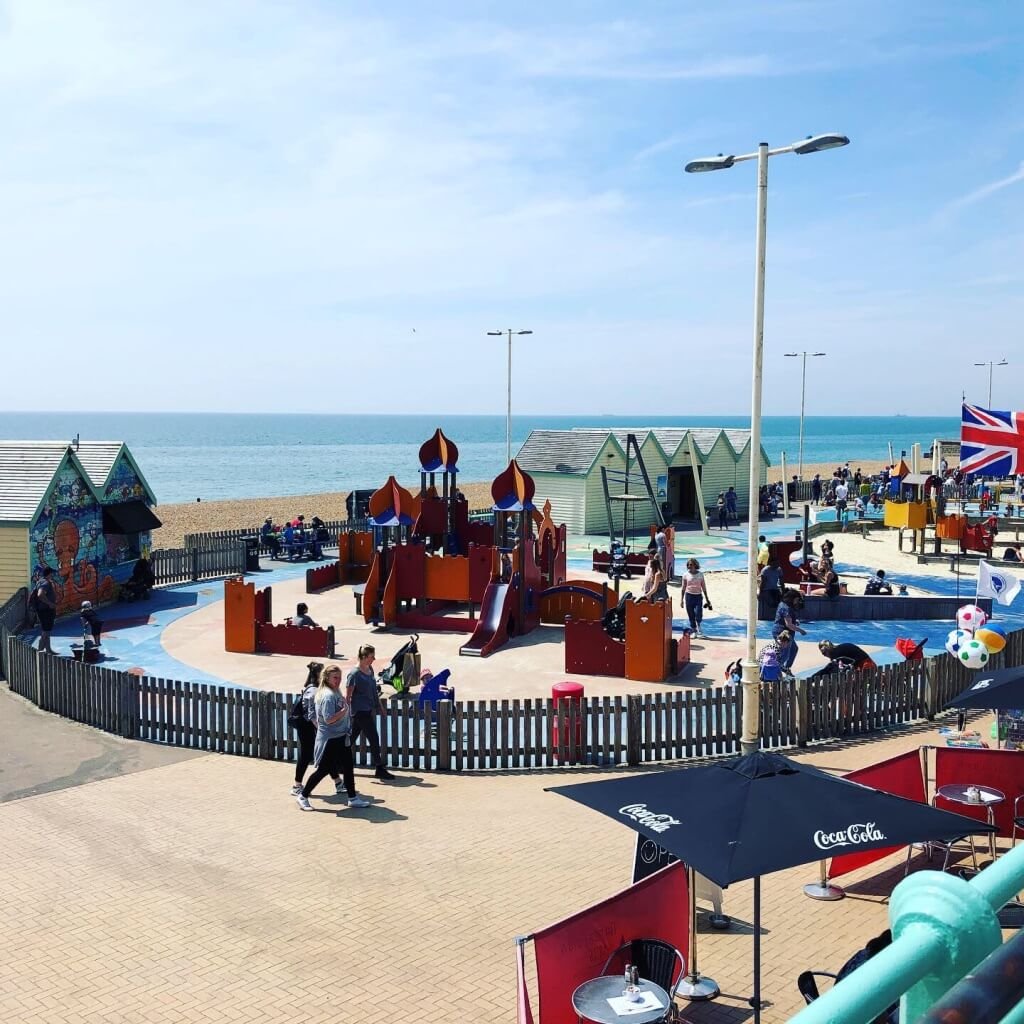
<point>305,730</point>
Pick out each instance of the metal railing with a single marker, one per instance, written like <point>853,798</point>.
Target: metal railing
<point>943,928</point>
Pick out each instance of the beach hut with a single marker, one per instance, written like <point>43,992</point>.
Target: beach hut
<point>83,509</point>
<point>685,465</point>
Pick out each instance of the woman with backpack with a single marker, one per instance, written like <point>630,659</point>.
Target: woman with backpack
<point>302,718</point>
<point>332,749</point>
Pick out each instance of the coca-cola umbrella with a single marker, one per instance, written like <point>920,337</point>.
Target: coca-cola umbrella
<point>993,691</point>
<point>760,813</point>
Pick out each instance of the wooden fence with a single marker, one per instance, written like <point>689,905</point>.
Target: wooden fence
<point>13,617</point>
<point>500,734</point>
<point>220,538</point>
<point>187,565</point>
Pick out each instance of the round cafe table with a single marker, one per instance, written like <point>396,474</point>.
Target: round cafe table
<point>590,1001</point>
<point>957,794</point>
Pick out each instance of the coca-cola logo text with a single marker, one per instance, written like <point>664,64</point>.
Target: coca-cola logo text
<point>852,835</point>
<point>650,819</point>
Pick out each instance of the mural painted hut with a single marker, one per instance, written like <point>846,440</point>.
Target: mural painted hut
<point>83,509</point>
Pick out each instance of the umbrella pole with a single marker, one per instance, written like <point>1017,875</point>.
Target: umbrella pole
<point>823,889</point>
<point>693,986</point>
<point>755,999</point>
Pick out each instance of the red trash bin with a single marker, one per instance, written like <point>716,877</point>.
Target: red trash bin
<point>560,693</point>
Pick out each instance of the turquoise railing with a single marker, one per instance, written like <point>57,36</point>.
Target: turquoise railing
<point>943,928</point>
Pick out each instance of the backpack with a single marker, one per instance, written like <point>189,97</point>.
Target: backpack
<point>771,670</point>
<point>297,715</point>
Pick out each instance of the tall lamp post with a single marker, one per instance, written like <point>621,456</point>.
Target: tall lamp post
<point>990,364</point>
<point>803,395</point>
<point>749,739</point>
<point>508,409</point>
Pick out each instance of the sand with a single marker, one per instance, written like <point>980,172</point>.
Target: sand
<point>246,513</point>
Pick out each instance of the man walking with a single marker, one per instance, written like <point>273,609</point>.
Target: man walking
<point>365,703</point>
<point>46,609</point>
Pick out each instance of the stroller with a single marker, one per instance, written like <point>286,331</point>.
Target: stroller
<point>402,673</point>
<point>618,567</point>
<point>910,649</point>
<point>614,620</point>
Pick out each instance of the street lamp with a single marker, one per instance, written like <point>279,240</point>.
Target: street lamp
<point>803,392</point>
<point>812,144</point>
<point>508,410</point>
<point>990,364</point>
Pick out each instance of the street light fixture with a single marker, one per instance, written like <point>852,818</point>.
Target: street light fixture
<point>749,741</point>
<point>990,364</point>
<point>508,410</point>
<point>803,391</point>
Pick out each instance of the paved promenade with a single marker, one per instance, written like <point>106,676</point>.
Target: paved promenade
<point>197,891</point>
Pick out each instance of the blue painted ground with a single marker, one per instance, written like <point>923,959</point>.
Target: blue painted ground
<point>132,637</point>
<point>132,632</point>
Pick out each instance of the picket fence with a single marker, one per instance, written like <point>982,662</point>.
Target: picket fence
<point>497,734</point>
<point>187,565</point>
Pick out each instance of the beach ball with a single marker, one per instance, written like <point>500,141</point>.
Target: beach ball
<point>992,636</point>
<point>970,616</point>
<point>956,639</point>
<point>974,654</point>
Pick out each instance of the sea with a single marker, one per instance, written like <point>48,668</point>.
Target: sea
<point>211,456</point>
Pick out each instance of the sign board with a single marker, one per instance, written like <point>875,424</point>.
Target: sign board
<point>949,449</point>
<point>662,487</point>
<point>649,857</point>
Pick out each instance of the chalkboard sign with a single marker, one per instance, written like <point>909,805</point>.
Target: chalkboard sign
<point>649,857</point>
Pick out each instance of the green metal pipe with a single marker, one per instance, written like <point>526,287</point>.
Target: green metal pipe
<point>942,928</point>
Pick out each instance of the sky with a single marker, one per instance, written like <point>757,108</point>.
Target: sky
<point>324,206</point>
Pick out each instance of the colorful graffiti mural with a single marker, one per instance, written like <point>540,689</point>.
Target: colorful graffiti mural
<point>68,537</point>
<point>124,483</point>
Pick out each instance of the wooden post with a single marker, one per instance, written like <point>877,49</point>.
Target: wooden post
<point>931,668</point>
<point>633,726</point>
<point>803,725</point>
<point>444,735</point>
<point>263,728</point>
<point>695,465</point>
<point>195,564</point>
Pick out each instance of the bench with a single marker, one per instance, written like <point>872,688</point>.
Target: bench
<point>864,525</point>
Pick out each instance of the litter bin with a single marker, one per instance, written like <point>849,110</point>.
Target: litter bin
<point>252,553</point>
<point>560,722</point>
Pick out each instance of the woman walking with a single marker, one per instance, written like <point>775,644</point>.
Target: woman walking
<point>361,690</point>
<point>695,595</point>
<point>723,512</point>
<point>332,750</point>
<point>303,721</point>
<point>787,622</point>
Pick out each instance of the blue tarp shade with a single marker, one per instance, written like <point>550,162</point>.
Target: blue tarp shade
<point>129,517</point>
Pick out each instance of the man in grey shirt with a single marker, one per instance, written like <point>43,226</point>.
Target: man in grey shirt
<point>365,702</point>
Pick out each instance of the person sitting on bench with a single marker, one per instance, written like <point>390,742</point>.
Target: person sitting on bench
<point>141,581</point>
<point>878,585</point>
<point>302,616</point>
<point>268,535</point>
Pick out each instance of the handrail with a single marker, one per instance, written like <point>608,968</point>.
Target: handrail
<point>943,927</point>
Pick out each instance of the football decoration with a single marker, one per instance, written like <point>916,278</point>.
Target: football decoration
<point>974,654</point>
<point>992,636</point>
<point>970,616</point>
<point>956,640</point>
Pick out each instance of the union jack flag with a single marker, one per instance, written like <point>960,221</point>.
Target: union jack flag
<point>991,442</point>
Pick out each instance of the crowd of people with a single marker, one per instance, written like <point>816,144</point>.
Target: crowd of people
<point>296,537</point>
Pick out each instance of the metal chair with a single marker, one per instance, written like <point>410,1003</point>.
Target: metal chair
<point>1018,820</point>
<point>656,961</point>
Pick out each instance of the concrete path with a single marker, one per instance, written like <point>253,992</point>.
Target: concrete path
<point>197,891</point>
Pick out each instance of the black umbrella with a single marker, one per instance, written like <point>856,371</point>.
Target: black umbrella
<point>760,813</point>
<point>995,691</point>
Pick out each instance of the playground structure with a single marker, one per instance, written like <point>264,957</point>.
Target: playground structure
<point>355,555</point>
<point>434,569</point>
<point>248,628</point>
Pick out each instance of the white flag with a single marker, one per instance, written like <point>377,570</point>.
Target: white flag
<point>998,584</point>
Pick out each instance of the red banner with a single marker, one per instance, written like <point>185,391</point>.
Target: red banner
<point>901,776</point>
<point>575,950</point>
<point>987,769</point>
